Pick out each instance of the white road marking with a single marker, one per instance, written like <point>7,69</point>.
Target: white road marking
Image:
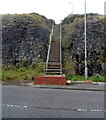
<point>25,106</point>
<point>8,105</point>
<point>15,105</point>
<point>78,109</point>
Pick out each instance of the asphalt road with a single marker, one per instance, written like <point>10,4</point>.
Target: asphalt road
<point>27,102</point>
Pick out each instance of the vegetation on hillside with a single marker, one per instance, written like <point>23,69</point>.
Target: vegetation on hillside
<point>20,72</point>
<point>73,44</point>
<point>25,41</point>
<point>31,19</point>
<point>24,45</point>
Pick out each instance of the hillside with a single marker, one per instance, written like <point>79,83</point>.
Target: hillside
<point>73,44</point>
<point>25,38</point>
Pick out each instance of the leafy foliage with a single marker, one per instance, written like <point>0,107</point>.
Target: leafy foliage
<point>98,78</point>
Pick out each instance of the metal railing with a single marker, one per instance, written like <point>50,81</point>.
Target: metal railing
<point>60,52</point>
<point>48,55</point>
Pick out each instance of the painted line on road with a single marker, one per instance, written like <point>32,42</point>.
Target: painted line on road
<point>35,107</point>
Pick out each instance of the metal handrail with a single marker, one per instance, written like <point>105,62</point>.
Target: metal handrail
<point>60,51</point>
<point>51,35</point>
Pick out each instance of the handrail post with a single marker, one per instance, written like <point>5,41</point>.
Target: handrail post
<point>60,52</point>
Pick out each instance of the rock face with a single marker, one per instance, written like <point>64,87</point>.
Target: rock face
<point>25,38</point>
<point>73,31</point>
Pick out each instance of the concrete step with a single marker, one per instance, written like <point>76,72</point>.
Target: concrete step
<point>54,41</point>
<point>58,57</point>
<point>55,50</point>
<point>52,56</point>
<point>54,60</point>
<point>55,53</point>
<point>53,63</point>
<point>53,70</point>
<point>53,67</point>
<point>55,45</point>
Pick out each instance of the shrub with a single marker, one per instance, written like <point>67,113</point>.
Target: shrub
<point>8,78</point>
<point>98,78</point>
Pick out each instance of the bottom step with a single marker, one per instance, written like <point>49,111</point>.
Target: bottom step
<point>50,80</point>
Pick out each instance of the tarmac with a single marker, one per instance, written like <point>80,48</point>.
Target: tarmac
<point>74,85</point>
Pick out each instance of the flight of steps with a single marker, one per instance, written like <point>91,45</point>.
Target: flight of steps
<point>54,64</point>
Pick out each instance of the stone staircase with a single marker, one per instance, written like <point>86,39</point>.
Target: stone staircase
<point>54,63</point>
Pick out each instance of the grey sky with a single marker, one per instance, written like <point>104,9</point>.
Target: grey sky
<point>52,9</point>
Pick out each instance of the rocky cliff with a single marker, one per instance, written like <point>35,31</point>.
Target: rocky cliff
<point>25,38</point>
<point>73,43</point>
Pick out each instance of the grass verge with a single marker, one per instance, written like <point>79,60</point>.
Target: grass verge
<point>22,73</point>
<point>96,78</point>
<point>35,69</point>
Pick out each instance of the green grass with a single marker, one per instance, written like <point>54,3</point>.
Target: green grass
<point>28,73</point>
<point>22,73</point>
<point>96,78</point>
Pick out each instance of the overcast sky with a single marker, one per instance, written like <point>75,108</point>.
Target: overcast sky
<point>52,9</point>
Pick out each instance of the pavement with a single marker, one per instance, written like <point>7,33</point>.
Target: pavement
<point>74,85</point>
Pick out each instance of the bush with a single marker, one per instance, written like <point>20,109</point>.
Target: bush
<point>98,78</point>
<point>74,77</point>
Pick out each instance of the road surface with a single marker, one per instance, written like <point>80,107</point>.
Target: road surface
<point>28,102</point>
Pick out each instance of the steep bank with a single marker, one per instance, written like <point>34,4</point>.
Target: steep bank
<point>25,38</point>
<point>73,44</point>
